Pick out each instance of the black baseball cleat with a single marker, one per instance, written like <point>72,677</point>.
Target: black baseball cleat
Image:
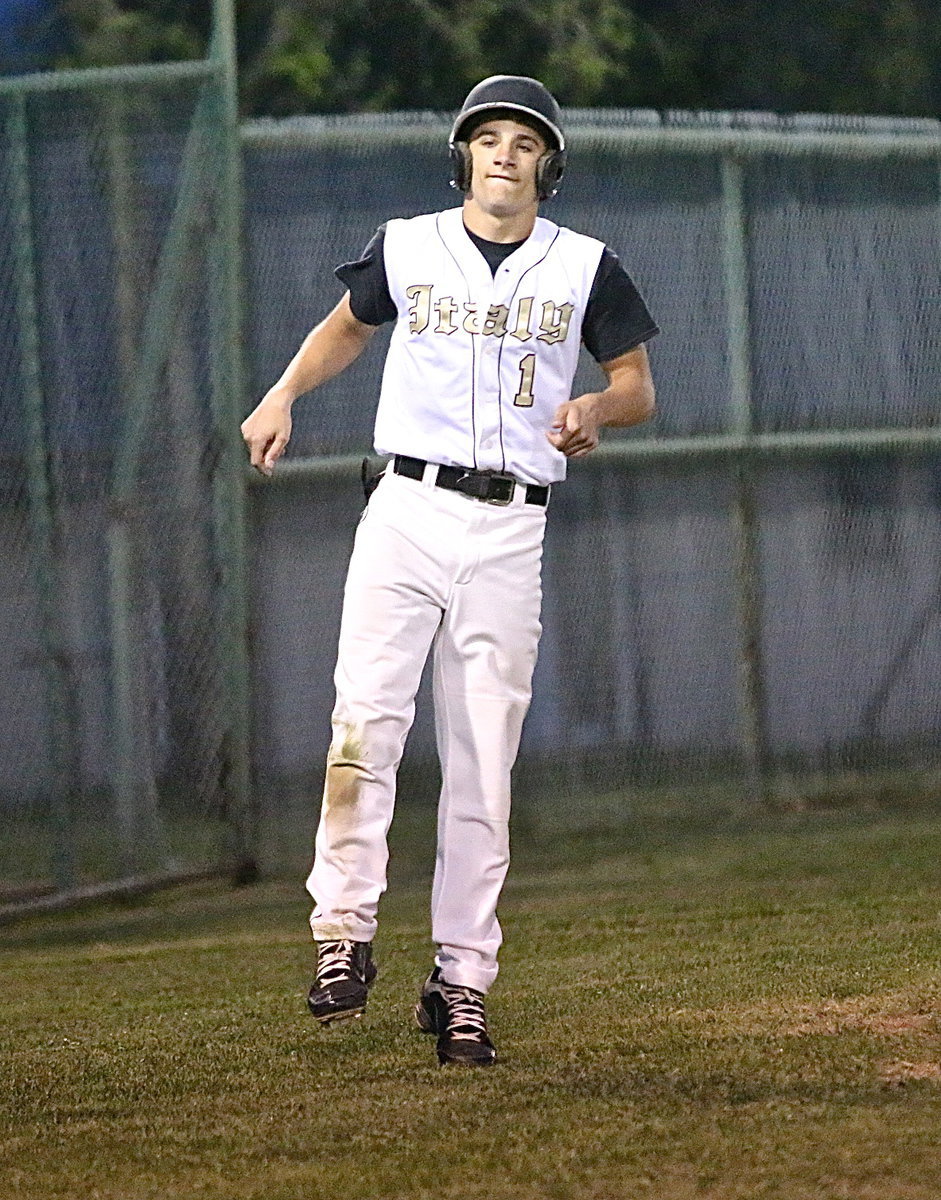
<point>456,1015</point>
<point>345,973</point>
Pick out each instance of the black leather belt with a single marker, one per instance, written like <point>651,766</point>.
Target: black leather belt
<point>490,486</point>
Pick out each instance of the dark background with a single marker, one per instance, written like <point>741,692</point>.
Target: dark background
<point>310,56</point>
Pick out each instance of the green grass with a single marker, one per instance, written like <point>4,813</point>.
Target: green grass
<point>739,1014</point>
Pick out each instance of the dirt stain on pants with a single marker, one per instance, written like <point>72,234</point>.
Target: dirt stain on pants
<point>346,772</point>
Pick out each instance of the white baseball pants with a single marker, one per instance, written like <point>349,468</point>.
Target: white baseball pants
<point>430,567</point>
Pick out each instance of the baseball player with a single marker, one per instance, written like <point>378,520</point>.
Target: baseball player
<point>491,303</point>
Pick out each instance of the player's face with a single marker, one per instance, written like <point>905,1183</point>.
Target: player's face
<point>504,157</point>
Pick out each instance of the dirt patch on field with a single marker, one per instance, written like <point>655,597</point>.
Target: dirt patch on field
<point>892,1015</point>
<point>838,1016</point>
<point>897,1074</point>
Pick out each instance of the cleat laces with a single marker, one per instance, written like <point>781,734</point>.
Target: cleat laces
<point>334,962</point>
<point>466,1016</point>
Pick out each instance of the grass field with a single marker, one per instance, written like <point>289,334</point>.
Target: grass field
<point>746,1013</point>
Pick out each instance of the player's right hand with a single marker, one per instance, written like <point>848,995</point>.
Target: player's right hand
<point>267,432</point>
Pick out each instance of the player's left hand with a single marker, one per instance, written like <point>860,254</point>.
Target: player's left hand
<point>576,426</point>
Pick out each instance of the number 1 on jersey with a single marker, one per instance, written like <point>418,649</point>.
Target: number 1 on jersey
<point>524,397</point>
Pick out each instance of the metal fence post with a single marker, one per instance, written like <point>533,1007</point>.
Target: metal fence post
<point>230,498</point>
<point>135,790</point>
<point>744,506</point>
<point>62,732</point>
<point>135,786</point>
<point>137,819</point>
<point>120,178</point>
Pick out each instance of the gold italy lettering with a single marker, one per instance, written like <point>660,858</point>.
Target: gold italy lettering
<point>521,332</point>
<point>495,321</point>
<point>445,308</point>
<point>420,309</point>
<point>472,321</point>
<point>555,322</point>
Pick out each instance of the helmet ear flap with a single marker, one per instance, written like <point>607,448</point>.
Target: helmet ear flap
<point>549,170</point>
<point>460,155</point>
<point>549,173</point>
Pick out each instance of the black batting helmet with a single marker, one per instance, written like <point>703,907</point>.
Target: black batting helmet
<point>536,106</point>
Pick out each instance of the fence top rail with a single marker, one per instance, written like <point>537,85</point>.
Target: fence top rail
<point>90,78</point>
<point>637,131</point>
<point>798,444</point>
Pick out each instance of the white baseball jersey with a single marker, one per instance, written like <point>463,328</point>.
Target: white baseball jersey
<point>478,364</point>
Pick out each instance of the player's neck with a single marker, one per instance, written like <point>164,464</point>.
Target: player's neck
<point>494,227</point>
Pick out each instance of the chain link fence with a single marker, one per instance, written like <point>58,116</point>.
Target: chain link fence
<point>741,599</point>
<point>123,743</point>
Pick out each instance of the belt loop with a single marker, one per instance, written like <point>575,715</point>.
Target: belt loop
<point>429,475</point>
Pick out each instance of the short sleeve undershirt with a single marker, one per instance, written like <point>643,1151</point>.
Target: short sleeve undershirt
<point>616,317</point>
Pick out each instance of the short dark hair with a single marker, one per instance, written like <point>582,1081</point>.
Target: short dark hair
<point>509,114</point>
